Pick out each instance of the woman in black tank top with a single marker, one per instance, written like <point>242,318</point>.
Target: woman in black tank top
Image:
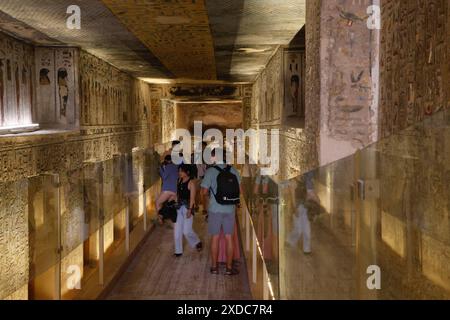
<point>186,192</point>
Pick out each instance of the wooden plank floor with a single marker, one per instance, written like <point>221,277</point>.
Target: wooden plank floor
<point>156,274</point>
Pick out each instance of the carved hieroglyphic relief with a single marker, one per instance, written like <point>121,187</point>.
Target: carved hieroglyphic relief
<point>415,67</point>
<point>268,93</point>
<point>66,64</point>
<point>347,49</point>
<point>294,88</point>
<point>57,86</point>
<point>312,86</point>
<point>168,114</point>
<point>14,240</point>
<point>16,84</point>
<point>106,93</point>
<point>266,113</point>
<point>110,97</point>
<point>155,116</point>
<point>247,105</point>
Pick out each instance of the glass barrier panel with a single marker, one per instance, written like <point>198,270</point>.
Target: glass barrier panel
<point>114,205</point>
<point>90,182</point>
<point>152,184</point>
<point>405,223</point>
<point>317,234</point>
<point>73,224</point>
<point>136,197</point>
<point>262,201</point>
<point>43,237</point>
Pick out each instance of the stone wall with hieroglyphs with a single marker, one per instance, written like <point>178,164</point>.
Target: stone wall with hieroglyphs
<point>14,260</point>
<point>114,111</point>
<point>267,105</point>
<point>57,92</point>
<point>16,81</point>
<point>414,85</point>
<point>348,57</point>
<point>312,90</point>
<point>415,66</point>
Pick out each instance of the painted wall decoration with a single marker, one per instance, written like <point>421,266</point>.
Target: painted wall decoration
<point>268,93</point>
<point>45,95</point>
<point>168,110</point>
<point>57,88</point>
<point>267,111</point>
<point>294,88</point>
<point>106,93</point>
<point>110,97</point>
<point>415,67</point>
<point>347,68</point>
<point>16,84</point>
<point>155,114</point>
<point>14,243</point>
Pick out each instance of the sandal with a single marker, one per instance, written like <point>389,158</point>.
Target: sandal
<point>231,272</point>
<point>214,270</point>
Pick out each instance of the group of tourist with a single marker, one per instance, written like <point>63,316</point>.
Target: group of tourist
<point>217,188</point>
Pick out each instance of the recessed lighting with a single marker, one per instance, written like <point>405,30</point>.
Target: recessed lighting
<point>252,50</point>
<point>157,80</point>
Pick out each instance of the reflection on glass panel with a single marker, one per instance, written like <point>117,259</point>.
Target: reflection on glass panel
<point>262,200</point>
<point>57,229</point>
<point>72,228</point>
<point>152,182</point>
<point>136,196</point>
<point>44,252</point>
<point>114,211</point>
<point>374,225</point>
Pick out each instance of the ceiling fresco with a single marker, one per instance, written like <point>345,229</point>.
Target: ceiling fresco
<point>177,32</point>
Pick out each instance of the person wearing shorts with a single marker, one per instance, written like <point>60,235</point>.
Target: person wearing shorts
<point>219,217</point>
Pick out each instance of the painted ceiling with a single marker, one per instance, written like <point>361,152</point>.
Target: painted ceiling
<point>177,32</point>
<point>230,40</point>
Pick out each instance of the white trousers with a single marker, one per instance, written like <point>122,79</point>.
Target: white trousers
<point>301,227</point>
<point>183,226</point>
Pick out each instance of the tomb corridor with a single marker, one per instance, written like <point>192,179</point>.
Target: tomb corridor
<point>350,99</point>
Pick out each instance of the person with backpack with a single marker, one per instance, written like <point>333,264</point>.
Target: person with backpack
<point>222,183</point>
<point>186,192</point>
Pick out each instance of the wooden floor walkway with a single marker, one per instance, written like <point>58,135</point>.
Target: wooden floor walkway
<point>156,274</point>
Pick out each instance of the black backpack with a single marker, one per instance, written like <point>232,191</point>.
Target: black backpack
<point>228,191</point>
<point>169,211</point>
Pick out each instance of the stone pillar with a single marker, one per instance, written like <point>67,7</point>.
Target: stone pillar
<point>348,79</point>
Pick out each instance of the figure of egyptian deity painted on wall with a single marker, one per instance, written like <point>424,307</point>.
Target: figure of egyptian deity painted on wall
<point>294,110</point>
<point>63,91</point>
<point>294,77</point>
